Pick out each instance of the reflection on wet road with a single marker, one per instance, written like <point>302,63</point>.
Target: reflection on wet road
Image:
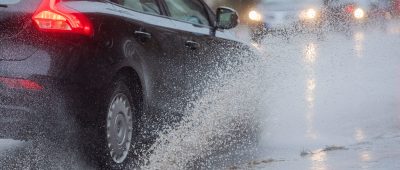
<point>310,55</point>
<point>351,101</point>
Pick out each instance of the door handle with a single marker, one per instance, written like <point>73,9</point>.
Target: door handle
<point>192,45</point>
<point>142,36</point>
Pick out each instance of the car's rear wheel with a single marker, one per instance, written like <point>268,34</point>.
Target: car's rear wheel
<point>118,128</point>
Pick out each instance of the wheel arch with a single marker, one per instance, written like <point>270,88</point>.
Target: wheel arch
<point>135,85</point>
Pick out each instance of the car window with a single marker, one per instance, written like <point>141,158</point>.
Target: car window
<point>146,6</point>
<point>190,11</point>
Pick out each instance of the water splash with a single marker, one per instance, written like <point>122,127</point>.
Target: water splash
<point>222,118</point>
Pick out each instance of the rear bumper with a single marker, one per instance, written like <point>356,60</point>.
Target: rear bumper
<point>17,122</point>
<point>13,114</point>
<point>24,114</point>
<point>64,66</point>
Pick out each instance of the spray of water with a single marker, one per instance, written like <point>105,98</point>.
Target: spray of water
<point>221,120</point>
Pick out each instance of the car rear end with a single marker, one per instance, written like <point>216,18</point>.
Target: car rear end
<point>42,46</point>
<point>346,12</point>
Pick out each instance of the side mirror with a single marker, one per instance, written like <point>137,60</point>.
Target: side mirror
<point>227,18</point>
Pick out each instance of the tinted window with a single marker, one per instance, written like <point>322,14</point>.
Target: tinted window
<point>146,6</point>
<point>188,10</point>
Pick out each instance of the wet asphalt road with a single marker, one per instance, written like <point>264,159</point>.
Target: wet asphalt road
<point>330,104</point>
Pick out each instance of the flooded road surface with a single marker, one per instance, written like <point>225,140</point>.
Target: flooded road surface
<point>333,103</point>
<point>325,104</point>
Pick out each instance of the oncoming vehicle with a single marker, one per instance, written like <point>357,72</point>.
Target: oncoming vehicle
<point>284,16</point>
<point>113,66</point>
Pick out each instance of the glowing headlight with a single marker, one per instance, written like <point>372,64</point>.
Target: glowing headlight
<point>255,16</point>
<point>359,13</point>
<point>308,14</point>
<point>311,13</point>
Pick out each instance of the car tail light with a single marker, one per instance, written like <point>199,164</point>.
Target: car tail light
<point>20,84</point>
<point>53,16</point>
<point>349,8</point>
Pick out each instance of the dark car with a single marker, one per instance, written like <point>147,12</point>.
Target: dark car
<point>285,17</point>
<point>119,68</point>
<point>344,14</point>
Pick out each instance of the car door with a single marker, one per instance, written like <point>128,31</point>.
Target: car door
<point>206,48</point>
<point>150,42</point>
<point>192,22</point>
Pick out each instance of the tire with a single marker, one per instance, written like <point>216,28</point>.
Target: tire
<point>117,128</point>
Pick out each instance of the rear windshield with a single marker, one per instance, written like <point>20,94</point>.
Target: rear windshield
<point>9,2</point>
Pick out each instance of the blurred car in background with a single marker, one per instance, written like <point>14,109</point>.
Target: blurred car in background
<point>344,14</point>
<point>395,7</point>
<point>284,17</point>
<point>341,14</point>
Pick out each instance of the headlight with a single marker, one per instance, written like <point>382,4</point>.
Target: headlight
<point>359,13</point>
<point>255,16</point>
<point>311,13</point>
<point>308,14</point>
